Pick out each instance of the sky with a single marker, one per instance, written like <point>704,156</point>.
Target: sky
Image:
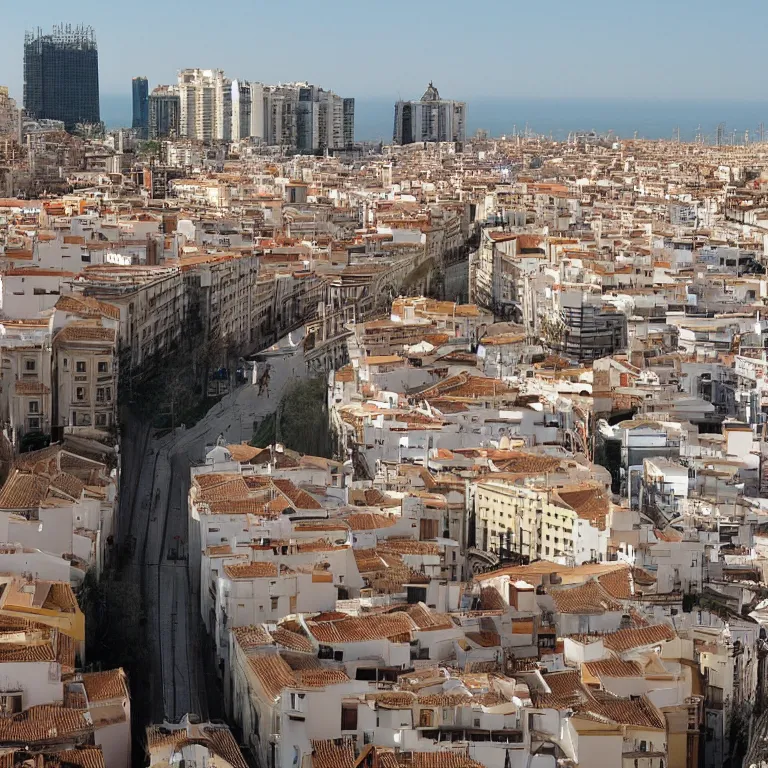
<point>652,49</point>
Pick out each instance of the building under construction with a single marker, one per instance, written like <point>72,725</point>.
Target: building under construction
<point>61,75</point>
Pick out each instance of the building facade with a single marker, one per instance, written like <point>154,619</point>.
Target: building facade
<point>164,110</point>
<point>61,75</point>
<point>430,119</point>
<point>140,90</point>
<point>205,105</point>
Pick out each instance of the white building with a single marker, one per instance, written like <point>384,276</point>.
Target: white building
<point>206,105</point>
<point>430,119</point>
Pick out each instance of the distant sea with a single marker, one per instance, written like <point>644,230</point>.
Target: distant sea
<point>650,119</point>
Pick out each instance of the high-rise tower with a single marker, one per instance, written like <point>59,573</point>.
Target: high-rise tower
<point>140,86</point>
<point>430,119</point>
<point>61,75</point>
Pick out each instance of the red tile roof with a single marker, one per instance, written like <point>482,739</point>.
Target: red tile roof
<point>328,754</point>
<point>589,598</point>
<point>100,686</point>
<point>253,570</point>
<point>359,629</point>
<point>627,639</point>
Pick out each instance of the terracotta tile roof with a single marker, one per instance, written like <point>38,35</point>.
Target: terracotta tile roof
<point>369,521</point>
<point>243,451</point>
<point>617,583</point>
<point>319,678</point>
<point>251,637</point>
<point>590,504</point>
<point>85,333</point>
<point>67,484</point>
<point>613,668</point>
<point>292,640</point>
<point>368,560</point>
<point>444,699</point>
<point>358,629</point>
<point>634,712</point>
<point>101,686</point>
<point>590,598</point>
<point>491,600</point>
<point>223,743</point>
<point>44,460</point>
<point>242,507</point>
<point>467,386</point>
<point>253,570</point>
<point>232,488</point>
<point>424,618</point>
<point>82,757</point>
<point>484,638</point>
<point>273,673</point>
<point>45,723</point>
<point>298,498</point>
<point>86,306</point>
<point>65,652</point>
<point>393,699</point>
<point>27,652</point>
<point>627,639</point>
<point>218,740</point>
<point>22,491</point>
<point>60,597</point>
<point>328,754</point>
<point>442,759</point>
<point>567,692</point>
<point>526,463</point>
<point>206,481</point>
<point>31,388</point>
<point>446,406</point>
<point>404,546</point>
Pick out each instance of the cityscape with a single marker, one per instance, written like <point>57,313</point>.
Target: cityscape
<point>446,449</point>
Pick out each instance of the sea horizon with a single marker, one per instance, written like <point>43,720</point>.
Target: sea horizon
<point>623,117</point>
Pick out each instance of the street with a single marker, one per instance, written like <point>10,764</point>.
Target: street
<point>166,563</point>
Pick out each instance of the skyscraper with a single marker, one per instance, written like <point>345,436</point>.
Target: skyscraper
<point>430,119</point>
<point>141,105</point>
<point>242,109</point>
<point>206,105</point>
<point>164,112</point>
<point>61,75</point>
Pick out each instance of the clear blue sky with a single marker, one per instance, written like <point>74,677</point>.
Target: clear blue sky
<point>670,49</point>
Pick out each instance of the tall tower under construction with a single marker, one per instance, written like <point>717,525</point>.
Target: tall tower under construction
<point>61,75</point>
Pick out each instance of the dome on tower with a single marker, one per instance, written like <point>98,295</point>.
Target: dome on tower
<point>431,94</point>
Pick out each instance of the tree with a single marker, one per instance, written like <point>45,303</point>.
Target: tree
<point>303,425</point>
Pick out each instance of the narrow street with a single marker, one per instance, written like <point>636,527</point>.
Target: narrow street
<point>166,562</point>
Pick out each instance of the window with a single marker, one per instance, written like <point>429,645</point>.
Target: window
<point>34,424</point>
<point>103,366</point>
<point>30,365</point>
<point>10,703</point>
<point>100,395</point>
<point>65,364</point>
<point>34,406</point>
<point>80,366</point>
<point>109,394</point>
<point>297,702</point>
<point>273,603</point>
<point>101,419</point>
<point>80,393</point>
<point>349,717</point>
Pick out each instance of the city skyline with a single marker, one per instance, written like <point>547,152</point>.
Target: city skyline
<point>505,59</point>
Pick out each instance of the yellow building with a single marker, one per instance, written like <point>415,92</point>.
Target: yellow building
<point>541,526</point>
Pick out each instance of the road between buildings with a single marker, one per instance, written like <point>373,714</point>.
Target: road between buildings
<point>166,564</point>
